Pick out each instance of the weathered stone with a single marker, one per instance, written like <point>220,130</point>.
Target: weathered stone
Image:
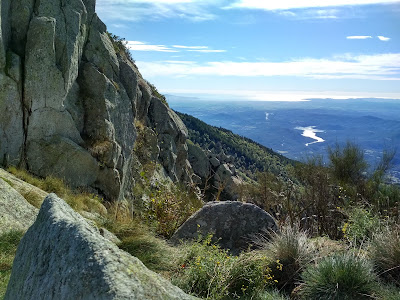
<point>14,67</point>
<point>20,17</point>
<point>233,224</point>
<point>44,83</point>
<point>143,100</point>
<point>198,160</point>
<point>11,121</point>
<point>62,257</point>
<point>25,189</point>
<point>172,134</point>
<point>75,98</point>
<point>99,50</point>
<point>62,158</point>
<point>15,212</point>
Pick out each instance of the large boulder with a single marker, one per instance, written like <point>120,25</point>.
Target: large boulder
<point>62,257</point>
<point>15,212</point>
<point>233,224</point>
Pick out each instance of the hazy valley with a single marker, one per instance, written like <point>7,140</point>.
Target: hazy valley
<point>288,127</point>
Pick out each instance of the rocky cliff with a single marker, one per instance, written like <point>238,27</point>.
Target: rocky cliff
<point>70,99</point>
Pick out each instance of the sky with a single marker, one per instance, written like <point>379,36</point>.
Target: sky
<point>261,49</point>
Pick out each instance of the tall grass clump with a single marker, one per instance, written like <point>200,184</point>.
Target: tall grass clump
<point>207,271</point>
<point>292,250</point>
<point>340,277</point>
<point>385,253</point>
<point>138,239</point>
<point>8,246</point>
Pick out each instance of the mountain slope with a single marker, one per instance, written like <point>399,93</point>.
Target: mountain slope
<point>248,156</point>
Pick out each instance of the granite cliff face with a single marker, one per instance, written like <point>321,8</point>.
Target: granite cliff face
<point>69,100</point>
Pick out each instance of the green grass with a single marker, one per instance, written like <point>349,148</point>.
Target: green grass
<point>385,253</point>
<point>8,246</point>
<point>207,271</point>
<point>78,200</point>
<point>340,277</point>
<point>294,251</point>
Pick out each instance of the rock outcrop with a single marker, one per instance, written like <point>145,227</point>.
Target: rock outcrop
<point>233,224</point>
<point>69,99</point>
<point>15,212</point>
<point>62,257</point>
<point>217,174</point>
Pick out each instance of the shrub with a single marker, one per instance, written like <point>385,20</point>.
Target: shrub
<point>385,253</point>
<point>120,46</point>
<point>347,163</point>
<point>292,250</point>
<point>340,277</point>
<point>360,226</point>
<point>138,239</point>
<point>207,271</point>
<point>8,246</point>
<point>169,207</point>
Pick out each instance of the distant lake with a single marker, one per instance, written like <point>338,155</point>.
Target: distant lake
<point>302,129</point>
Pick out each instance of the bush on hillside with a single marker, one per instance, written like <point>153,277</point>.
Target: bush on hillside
<point>360,226</point>
<point>207,271</point>
<point>340,277</point>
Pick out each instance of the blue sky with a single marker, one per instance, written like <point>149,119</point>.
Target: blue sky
<point>262,49</point>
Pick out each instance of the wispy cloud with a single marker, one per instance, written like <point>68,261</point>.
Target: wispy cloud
<point>206,50</point>
<point>138,10</point>
<point>358,37</point>
<point>190,47</point>
<point>383,38</point>
<point>295,4</point>
<point>141,46</point>
<point>372,67</point>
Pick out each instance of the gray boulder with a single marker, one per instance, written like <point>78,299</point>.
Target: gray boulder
<point>15,212</point>
<point>233,224</point>
<point>62,257</point>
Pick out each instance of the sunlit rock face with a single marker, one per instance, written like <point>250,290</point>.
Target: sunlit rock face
<point>69,99</point>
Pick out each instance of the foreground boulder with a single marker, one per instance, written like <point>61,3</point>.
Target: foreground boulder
<point>62,257</point>
<point>15,212</point>
<point>233,224</point>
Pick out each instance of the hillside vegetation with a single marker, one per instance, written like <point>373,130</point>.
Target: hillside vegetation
<point>249,156</point>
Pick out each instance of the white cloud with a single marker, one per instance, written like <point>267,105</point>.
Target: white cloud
<point>383,38</point>
<point>373,67</point>
<point>190,47</point>
<point>138,10</point>
<point>141,46</point>
<point>206,50</point>
<point>295,4</point>
<point>358,37</point>
<point>286,96</point>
